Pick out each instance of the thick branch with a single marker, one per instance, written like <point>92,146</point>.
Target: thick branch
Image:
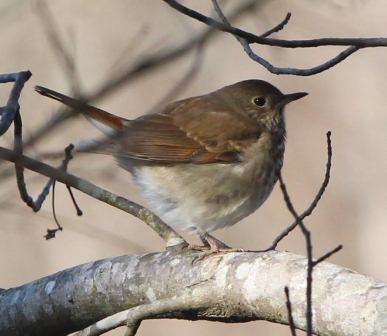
<point>235,287</point>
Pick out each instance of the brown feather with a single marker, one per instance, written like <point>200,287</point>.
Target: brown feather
<point>199,130</point>
<point>95,113</point>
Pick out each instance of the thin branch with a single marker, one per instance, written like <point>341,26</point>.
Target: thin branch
<point>273,30</point>
<point>315,201</point>
<point>164,231</point>
<point>51,233</point>
<point>247,38</point>
<point>292,326</point>
<point>278,27</point>
<point>68,156</point>
<point>35,205</point>
<point>277,70</point>
<point>8,112</point>
<point>295,71</point>
<point>309,252</point>
<point>309,248</point>
<point>327,255</point>
<point>365,42</point>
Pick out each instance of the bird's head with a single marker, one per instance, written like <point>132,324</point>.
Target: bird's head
<point>260,100</point>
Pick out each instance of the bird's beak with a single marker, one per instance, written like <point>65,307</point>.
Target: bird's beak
<point>286,99</point>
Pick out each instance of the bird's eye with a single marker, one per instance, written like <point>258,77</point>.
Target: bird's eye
<point>259,101</point>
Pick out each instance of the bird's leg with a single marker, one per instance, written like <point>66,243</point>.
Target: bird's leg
<point>212,245</point>
<point>205,247</point>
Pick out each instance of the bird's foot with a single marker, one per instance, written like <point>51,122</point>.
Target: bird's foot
<point>209,252</point>
<point>211,246</point>
<point>198,247</point>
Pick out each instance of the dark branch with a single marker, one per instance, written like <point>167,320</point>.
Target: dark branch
<point>278,27</point>
<point>309,250</point>
<point>163,230</point>
<point>68,156</point>
<point>327,255</point>
<point>8,112</point>
<point>290,312</point>
<point>247,38</point>
<point>315,201</point>
<point>365,42</point>
<point>19,170</point>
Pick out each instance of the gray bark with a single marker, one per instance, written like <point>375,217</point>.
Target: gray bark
<point>233,287</point>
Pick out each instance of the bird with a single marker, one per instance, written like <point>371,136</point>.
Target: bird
<point>202,163</point>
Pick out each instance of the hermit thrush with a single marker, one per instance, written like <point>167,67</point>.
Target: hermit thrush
<point>202,163</point>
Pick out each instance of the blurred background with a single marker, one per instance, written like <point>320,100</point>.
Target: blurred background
<point>105,37</point>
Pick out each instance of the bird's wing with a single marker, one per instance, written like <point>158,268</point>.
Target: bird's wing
<point>192,130</point>
<point>197,130</point>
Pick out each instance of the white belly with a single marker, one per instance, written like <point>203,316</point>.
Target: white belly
<point>207,197</point>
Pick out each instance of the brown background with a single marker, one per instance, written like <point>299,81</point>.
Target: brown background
<point>350,100</point>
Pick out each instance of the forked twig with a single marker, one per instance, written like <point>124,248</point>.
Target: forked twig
<point>309,248</point>
<point>315,201</point>
<point>246,38</point>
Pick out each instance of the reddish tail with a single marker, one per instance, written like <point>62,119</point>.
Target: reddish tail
<point>106,118</point>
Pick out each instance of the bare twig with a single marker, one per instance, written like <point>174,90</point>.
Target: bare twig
<point>8,112</point>
<point>309,250</point>
<point>273,30</point>
<point>68,156</point>
<point>247,38</point>
<point>310,263</point>
<point>290,313</point>
<point>315,201</point>
<point>276,70</point>
<point>278,27</point>
<point>51,233</point>
<point>19,170</point>
<point>327,255</point>
<point>164,231</point>
<point>35,205</point>
<point>365,42</point>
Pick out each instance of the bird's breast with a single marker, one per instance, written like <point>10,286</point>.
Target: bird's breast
<point>210,196</point>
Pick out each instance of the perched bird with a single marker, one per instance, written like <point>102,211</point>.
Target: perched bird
<point>202,163</point>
